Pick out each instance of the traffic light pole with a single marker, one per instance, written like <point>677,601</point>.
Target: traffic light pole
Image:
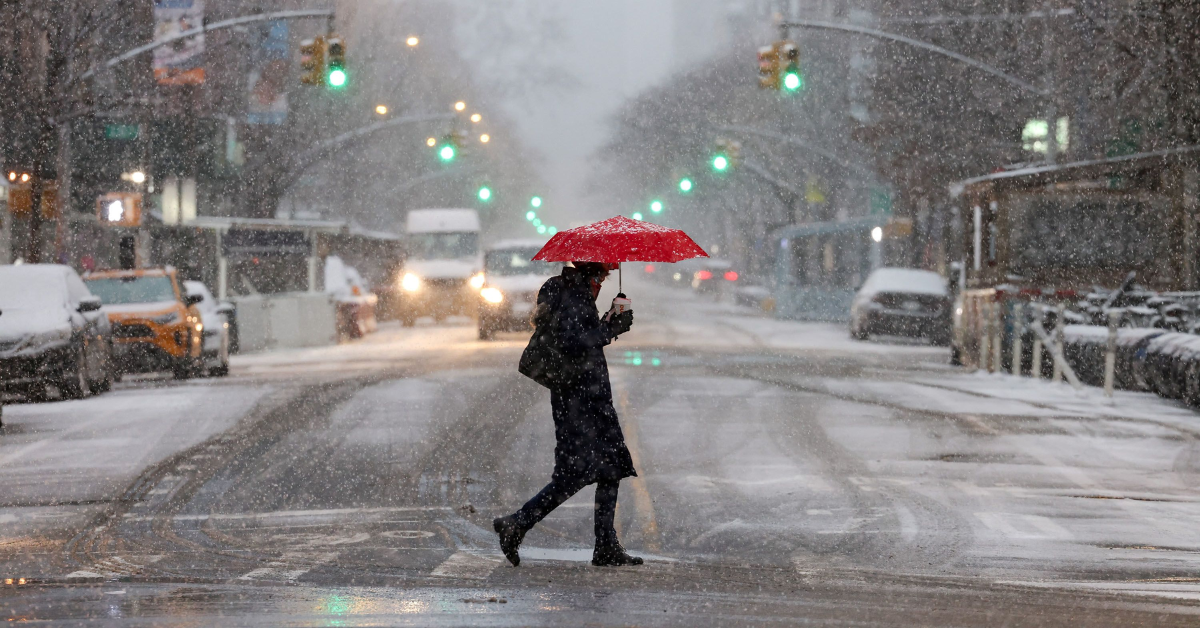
<point>200,30</point>
<point>916,43</point>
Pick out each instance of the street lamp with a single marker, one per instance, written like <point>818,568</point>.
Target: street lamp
<point>431,142</point>
<point>137,177</point>
<point>412,41</point>
<point>460,105</point>
<point>476,117</point>
<point>485,138</point>
<point>381,110</point>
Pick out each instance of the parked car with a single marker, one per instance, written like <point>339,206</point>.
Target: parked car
<point>356,302</point>
<point>904,302</point>
<point>215,346</point>
<point>511,280</point>
<point>52,332</point>
<point>155,324</point>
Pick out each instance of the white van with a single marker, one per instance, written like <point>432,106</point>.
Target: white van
<point>442,273</point>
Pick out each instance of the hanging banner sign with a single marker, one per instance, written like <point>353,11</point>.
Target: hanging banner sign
<point>268,80</point>
<point>179,62</point>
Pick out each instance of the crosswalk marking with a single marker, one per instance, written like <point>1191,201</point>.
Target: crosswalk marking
<point>285,569</point>
<point>467,565</point>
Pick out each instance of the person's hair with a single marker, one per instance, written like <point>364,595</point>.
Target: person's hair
<point>589,269</point>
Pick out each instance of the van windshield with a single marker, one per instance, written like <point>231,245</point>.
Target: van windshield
<point>443,245</point>
<point>132,289</point>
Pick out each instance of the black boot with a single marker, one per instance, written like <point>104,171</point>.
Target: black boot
<point>511,534</point>
<point>613,555</point>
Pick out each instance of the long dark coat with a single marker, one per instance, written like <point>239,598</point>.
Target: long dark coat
<point>589,443</point>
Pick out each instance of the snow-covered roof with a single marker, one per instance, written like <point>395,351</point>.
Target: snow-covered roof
<point>442,220</point>
<point>908,280</point>
<point>517,243</point>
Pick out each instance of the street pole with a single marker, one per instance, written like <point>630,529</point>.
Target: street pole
<point>1051,67</point>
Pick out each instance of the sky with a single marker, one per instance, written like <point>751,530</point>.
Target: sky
<point>611,50</point>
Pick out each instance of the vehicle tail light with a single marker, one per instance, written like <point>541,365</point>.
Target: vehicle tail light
<point>730,275</point>
<point>703,275</point>
<point>650,268</point>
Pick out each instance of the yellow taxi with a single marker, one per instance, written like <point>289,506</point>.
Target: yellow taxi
<point>155,323</point>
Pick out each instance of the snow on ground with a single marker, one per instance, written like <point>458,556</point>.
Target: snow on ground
<point>80,452</point>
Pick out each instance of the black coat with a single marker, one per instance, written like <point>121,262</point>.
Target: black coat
<point>589,443</point>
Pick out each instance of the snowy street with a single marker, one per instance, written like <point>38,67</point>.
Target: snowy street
<point>786,473</point>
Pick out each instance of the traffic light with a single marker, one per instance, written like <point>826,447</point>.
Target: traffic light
<point>485,193</point>
<point>335,61</point>
<point>685,185</point>
<point>768,67</point>
<point>656,206</point>
<point>792,80</point>
<point>312,61</point>
<point>779,67</point>
<point>447,148</point>
<point>530,215</point>
<point>535,202</point>
<point>728,154</point>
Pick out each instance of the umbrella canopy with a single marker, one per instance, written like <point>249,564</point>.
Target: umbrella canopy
<point>619,240</point>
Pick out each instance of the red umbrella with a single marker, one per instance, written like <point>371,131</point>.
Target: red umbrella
<point>619,240</point>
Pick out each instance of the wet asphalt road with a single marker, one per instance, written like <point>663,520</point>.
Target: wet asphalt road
<point>360,490</point>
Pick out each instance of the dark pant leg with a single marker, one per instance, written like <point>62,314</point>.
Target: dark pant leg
<point>606,511</point>
<point>549,498</point>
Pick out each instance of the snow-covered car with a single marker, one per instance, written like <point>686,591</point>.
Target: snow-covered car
<point>355,301</point>
<point>511,280</point>
<point>904,302</point>
<point>52,332</point>
<point>214,316</point>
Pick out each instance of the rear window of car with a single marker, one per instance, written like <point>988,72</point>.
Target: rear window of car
<point>118,290</point>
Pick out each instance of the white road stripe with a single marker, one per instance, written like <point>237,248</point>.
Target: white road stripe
<point>340,512</point>
<point>279,570</point>
<point>467,565</point>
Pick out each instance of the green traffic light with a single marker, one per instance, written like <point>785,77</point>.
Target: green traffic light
<point>792,81</point>
<point>553,230</point>
<point>685,185</point>
<point>337,78</point>
<point>656,206</point>
<point>530,215</point>
<point>536,201</point>
<point>720,163</point>
<point>537,222</point>
<point>485,193</point>
<point>636,216</point>
<point>446,153</point>
<point>541,228</point>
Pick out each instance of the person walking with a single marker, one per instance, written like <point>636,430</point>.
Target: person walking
<point>590,447</point>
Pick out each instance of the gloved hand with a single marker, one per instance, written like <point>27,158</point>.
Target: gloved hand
<point>620,323</point>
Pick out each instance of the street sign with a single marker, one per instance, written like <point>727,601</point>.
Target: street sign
<point>121,131</point>
<point>119,209</point>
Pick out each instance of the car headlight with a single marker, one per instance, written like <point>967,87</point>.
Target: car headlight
<point>477,281</point>
<point>410,282</point>
<point>491,295</point>
<point>170,318</point>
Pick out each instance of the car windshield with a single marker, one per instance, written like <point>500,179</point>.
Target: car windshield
<point>26,289</point>
<point>517,262</point>
<point>443,245</point>
<point>117,290</point>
